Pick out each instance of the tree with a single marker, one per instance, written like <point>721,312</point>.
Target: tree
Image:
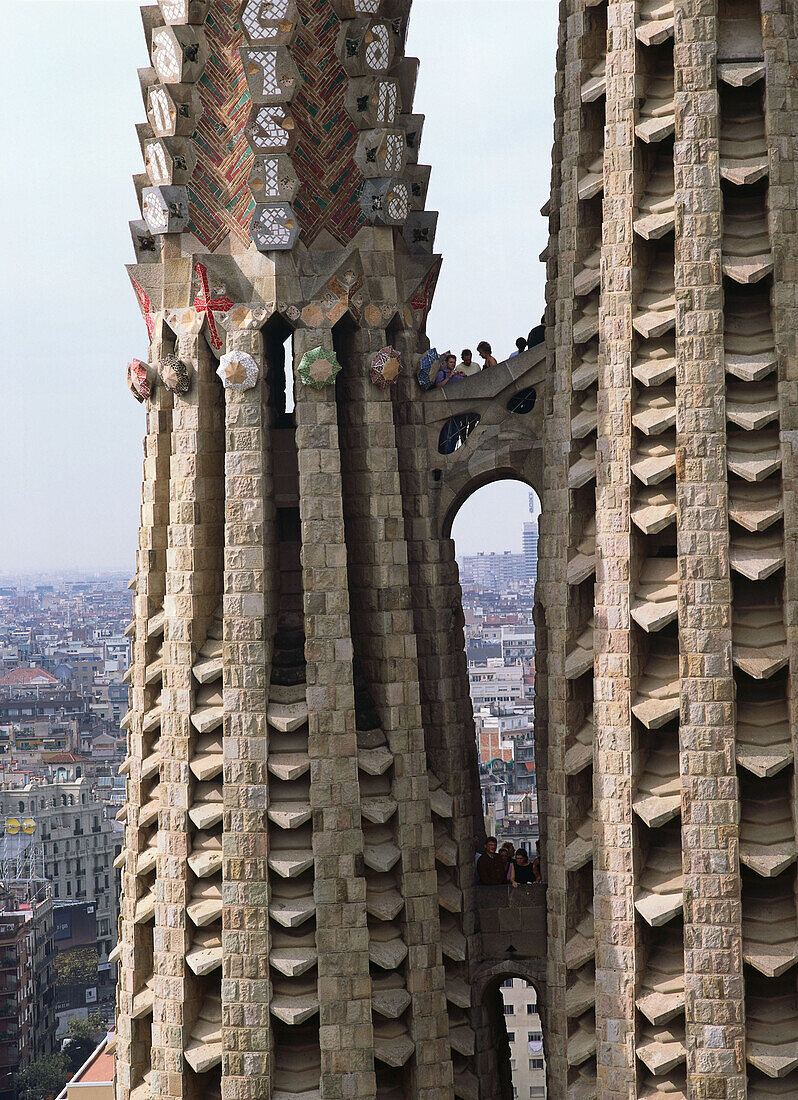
<point>82,1038</point>
<point>43,1078</point>
<point>90,1028</point>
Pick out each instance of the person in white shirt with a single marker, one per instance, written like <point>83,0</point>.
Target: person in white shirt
<point>468,366</point>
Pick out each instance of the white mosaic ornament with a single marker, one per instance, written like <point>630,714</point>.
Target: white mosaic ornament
<point>238,371</point>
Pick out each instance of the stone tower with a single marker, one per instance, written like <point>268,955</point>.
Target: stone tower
<point>299,916</point>
<point>298,888</point>
<point>668,541</point>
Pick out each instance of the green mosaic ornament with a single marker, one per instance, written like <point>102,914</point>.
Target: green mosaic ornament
<point>319,367</point>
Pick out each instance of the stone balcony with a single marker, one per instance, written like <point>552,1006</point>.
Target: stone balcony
<point>512,921</point>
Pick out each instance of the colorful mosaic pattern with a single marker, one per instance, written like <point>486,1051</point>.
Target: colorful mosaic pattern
<point>238,371</point>
<point>174,374</point>
<point>386,366</point>
<point>138,380</point>
<point>145,305</point>
<point>218,195</point>
<point>326,135</point>
<point>421,302</point>
<point>429,368</point>
<point>204,303</point>
<point>319,367</point>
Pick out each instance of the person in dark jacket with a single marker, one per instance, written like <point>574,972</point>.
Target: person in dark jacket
<point>485,350</point>
<point>491,868</point>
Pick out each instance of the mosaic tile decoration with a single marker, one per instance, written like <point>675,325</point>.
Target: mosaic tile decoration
<point>421,302</point>
<point>207,304</point>
<point>238,371</point>
<point>326,135</point>
<point>145,306</point>
<point>219,197</point>
<point>318,367</point>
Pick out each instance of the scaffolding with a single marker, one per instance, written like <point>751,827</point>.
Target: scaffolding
<point>22,863</point>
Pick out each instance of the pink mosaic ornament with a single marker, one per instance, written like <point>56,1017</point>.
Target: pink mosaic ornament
<point>138,379</point>
<point>386,366</point>
<point>238,371</point>
<point>206,304</point>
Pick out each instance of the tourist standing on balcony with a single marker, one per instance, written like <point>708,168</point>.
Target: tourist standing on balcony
<point>507,853</point>
<point>448,372</point>
<point>520,345</point>
<point>468,366</point>
<point>537,866</point>
<point>491,868</point>
<point>521,871</point>
<point>485,350</point>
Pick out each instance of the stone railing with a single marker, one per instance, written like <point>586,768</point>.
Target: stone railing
<point>512,921</point>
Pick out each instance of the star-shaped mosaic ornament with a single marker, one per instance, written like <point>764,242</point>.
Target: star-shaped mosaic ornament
<point>174,374</point>
<point>138,379</point>
<point>429,368</point>
<point>318,368</point>
<point>386,366</point>
<point>238,371</point>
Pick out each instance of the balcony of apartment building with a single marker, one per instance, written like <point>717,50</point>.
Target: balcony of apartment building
<point>8,1007</point>
<point>9,1031</point>
<point>9,1055</point>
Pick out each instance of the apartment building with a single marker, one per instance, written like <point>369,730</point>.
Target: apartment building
<point>27,981</point>
<point>80,843</point>
<point>494,682</point>
<point>525,1034</point>
<point>494,571</point>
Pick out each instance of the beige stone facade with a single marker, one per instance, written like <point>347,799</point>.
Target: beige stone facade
<point>299,915</point>
<point>670,744</point>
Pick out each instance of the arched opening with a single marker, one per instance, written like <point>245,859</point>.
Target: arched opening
<point>494,525</point>
<point>513,1013</point>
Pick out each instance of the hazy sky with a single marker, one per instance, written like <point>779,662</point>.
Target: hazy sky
<point>69,430</point>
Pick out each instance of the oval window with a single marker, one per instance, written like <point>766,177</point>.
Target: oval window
<point>523,402</point>
<point>456,431</point>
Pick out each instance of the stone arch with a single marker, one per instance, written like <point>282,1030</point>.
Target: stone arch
<point>486,992</point>
<point>503,443</point>
<point>521,473</point>
<point>497,970</point>
<point>472,486</point>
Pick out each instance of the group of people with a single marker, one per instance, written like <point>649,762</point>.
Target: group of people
<point>452,371</point>
<point>496,866</point>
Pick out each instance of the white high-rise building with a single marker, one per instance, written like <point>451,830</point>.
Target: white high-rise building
<point>525,1034</point>
<point>530,544</point>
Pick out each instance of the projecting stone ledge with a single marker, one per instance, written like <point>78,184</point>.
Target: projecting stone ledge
<point>512,921</point>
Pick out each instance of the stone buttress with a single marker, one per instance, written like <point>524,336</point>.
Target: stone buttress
<point>668,553</point>
<point>297,916</point>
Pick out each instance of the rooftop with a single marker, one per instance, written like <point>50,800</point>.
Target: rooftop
<point>27,677</point>
<point>97,1070</point>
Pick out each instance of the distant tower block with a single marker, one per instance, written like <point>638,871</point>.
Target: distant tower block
<point>298,885</point>
<point>668,567</point>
